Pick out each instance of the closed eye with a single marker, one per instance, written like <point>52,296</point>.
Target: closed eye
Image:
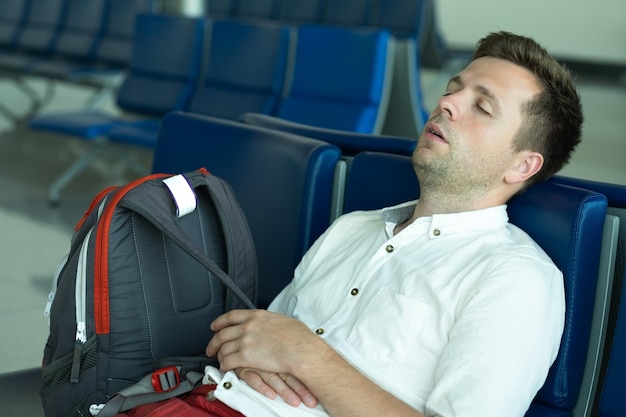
<point>482,109</point>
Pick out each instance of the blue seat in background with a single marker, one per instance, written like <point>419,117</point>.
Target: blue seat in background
<point>350,143</point>
<point>245,72</point>
<point>301,11</point>
<point>33,40</point>
<point>76,41</point>
<point>256,9</point>
<point>349,12</point>
<point>162,74</point>
<point>341,79</point>
<point>218,9</point>
<point>12,14</point>
<point>114,49</point>
<point>414,19</point>
<point>566,221</point>
<point>37,36</point>
<point>283,182</point>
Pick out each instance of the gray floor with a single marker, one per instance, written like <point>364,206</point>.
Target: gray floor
<point>34,236</point>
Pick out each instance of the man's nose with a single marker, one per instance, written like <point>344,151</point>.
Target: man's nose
<point>449,105</point>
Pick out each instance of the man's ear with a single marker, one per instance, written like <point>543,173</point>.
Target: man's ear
<point>527,164</point>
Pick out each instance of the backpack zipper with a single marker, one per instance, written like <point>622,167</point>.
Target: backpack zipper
<point>81,308</point>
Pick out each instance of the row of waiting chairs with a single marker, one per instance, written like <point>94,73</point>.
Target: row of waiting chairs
<point>328,77</point>
<point>403,18</point>
<point>288,185</point>
<point>71,40</point>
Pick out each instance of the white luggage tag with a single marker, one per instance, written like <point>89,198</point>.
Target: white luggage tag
<point>183,194</point>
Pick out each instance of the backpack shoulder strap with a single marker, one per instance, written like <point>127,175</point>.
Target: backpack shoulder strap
<point>150,206</point>
<point>242,263</point>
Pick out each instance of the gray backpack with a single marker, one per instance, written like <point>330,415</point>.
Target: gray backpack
<point>150,265</point>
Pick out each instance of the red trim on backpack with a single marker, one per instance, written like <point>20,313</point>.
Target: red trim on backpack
<point>101,256</point>
<point>94,203</point>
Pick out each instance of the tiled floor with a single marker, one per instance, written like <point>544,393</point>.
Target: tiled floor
<point>34,236</point>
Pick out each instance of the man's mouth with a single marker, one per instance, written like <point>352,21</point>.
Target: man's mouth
<point>434,130</point>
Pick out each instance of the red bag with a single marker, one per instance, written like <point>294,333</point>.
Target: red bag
<point>194,404</point>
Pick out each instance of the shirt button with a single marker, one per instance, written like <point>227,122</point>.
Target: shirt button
<point>389,248</point>
<point>436,232</point>
<point>319,331</point>
<point>227,385</point>
<point>354,291</point>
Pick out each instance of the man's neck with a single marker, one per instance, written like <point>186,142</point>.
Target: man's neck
<point>429,205</point>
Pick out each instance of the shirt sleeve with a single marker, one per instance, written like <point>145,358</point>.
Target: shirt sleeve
<point>500,349</point>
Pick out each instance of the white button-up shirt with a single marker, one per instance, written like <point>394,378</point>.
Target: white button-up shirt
<point>457,315</point>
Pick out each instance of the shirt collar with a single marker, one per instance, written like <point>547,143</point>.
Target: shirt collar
<point>440,225</point>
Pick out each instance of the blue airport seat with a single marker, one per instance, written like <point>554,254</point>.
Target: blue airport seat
<point>163,72</point>
<point>350,143</point>
<point>114,49</point>
<point>283,182</point>
<point>379,179</point>
<point>245,71</point>
<point>76,41</point>
<point>414,19</point>
<point>37,36</point>
<point>609,366</point>
<point>566,221</point>
<point>12,14</point>
<point>349,12</point>
<point>403,18</point>
<point>256,9</point>
<point>611,398</point>
<point>327,91</point>
<point>218,9</point>
<point>301,11</point>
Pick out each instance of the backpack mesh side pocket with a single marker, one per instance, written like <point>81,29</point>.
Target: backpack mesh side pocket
<point>58,372</point>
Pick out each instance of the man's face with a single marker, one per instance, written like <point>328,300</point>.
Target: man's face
<point>467,143</point>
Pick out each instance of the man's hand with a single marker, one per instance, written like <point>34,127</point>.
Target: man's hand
<point>262,347</point>
<point>288,387</point>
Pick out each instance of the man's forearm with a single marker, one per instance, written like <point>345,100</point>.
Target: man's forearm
<point>346,392</point>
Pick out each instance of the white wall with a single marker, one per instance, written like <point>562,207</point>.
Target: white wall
<point>582,30</point>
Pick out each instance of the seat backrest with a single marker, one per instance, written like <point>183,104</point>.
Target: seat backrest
<point>41,25</point>
<point>245,70</point>
<point>218,9</point>
<point>327,91</point>
<point>301,11</point>
<point>611,398</point>
<point>81,28</point>
<point>350,143</point>
<point>567,222</point>
<point>258,9</point>
<point>283,182</point>
<point>12,14</point>
<point>115,44</point>
<point>165,64</point>
<point>377,179</point>
<point>349,12</point>
<point>616,195</point>
<point>403,18</point>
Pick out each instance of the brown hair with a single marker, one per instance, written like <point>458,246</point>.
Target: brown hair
<point>553,119</point>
